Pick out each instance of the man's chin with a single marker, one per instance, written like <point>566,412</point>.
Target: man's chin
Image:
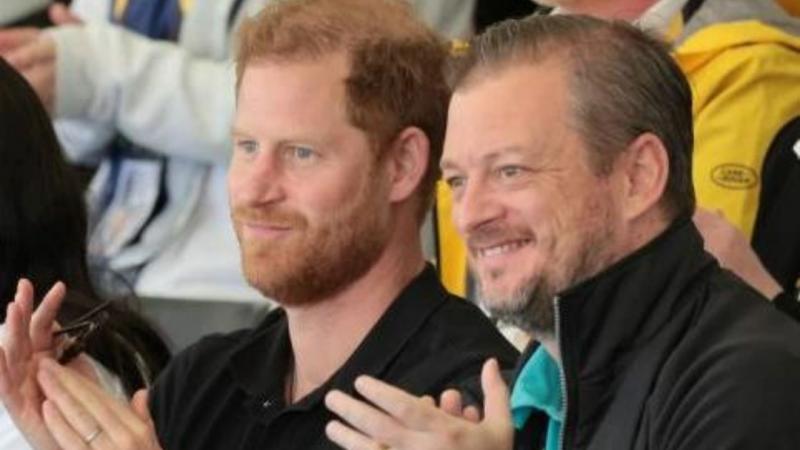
<point>500,289</point>
<point>286,294</point>
<point>500,301</point>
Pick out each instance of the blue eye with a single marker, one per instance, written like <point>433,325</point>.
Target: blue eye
<point>302,152</point>
<point>300,155</point>
<point>247,146</point>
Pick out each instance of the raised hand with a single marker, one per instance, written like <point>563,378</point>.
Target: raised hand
<point>80,415</point>
<point>28,339</point>
<point>402,421</point>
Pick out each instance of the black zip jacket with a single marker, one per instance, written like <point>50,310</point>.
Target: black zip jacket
<point>666,350</point>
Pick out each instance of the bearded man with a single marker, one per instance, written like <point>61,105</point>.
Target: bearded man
<point>568,154</point>
<point>339,126</point>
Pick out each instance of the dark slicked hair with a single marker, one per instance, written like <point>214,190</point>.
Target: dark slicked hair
<point>43,236</point>
<point>623,83</point>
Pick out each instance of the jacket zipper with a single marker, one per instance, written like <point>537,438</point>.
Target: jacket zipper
<point>562,373</point>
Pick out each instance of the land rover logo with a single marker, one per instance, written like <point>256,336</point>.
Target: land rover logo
<point>734,176</point>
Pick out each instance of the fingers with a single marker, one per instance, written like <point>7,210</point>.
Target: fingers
<point>350,439</point>
<point>6,385</point>
<point>23,305</point>
<point>39,50</point>
<point>428,400</point>
<point>72,411</point>
<point>496,403</point>
<point>86,407</point>
<point>17,344</point>
<point>61,430</point>
<point>472,414</point>
<point>363,417</point>
<point>450,402</point>
<point>13,38</point>
<point>408,409</point>
<point>140,407</point>
<point>60,14</point>
<point>43,322</point>
<point>24,298</point>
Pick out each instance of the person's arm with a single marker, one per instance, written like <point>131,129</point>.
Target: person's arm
<point>155,93</point>
<point>733,251</point>
<point>99,79</point>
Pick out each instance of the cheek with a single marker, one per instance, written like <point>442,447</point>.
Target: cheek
<point>238,181</point>
<point>234,192</point>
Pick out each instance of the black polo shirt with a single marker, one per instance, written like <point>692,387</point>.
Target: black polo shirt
<point>227,391</point>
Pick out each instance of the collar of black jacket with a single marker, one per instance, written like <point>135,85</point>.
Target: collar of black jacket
<point>630,301</point>
<point>604,321</point>
<point>260,364</point>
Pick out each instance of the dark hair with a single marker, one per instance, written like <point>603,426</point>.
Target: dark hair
<point>43,235</point>
<point>623,82</point>
<point>396,75</point>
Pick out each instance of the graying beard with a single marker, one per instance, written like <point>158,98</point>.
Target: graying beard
<point>531,308</point>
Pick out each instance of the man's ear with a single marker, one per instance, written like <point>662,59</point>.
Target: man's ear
<point>645,169</point>
<point>407,162</point>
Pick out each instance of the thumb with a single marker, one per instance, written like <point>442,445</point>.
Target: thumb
<point>61,15</point>
<point>139,405</point>
<point>496,406</point>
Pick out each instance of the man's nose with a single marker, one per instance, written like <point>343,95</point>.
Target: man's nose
<point>477,206</point>
<point>259,182</point>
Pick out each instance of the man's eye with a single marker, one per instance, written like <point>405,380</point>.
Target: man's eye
<point>300,155</point>
<point>247,146</point>
<point>302,152</point>
<point>509,171</point>
<point>454,182</point>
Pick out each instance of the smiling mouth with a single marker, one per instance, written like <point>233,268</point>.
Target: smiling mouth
<point>266,226</point>
<point>500,249</point>
<point>265,230</point>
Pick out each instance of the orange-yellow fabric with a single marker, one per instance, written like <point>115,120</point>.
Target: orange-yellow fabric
<point>745,79</point>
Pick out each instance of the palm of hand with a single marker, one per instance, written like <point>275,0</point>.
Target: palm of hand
<point>29,340</point>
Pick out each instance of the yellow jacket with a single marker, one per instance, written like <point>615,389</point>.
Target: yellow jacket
<point>745,79</point>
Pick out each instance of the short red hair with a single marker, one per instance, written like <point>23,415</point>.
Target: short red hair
<point>396,63</point>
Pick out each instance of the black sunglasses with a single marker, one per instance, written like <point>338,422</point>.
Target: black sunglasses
<point>75,335</point>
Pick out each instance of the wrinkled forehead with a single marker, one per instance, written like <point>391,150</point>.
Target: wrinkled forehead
<point>521,107</point>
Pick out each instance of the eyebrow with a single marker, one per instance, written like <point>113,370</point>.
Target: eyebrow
<point>487,158</point>
<point>239,132</point>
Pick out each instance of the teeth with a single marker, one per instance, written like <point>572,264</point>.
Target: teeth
<point>501,249</point>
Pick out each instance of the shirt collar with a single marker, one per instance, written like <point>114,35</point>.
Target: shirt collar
<point>537,386</point>
<point>260,363</point>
